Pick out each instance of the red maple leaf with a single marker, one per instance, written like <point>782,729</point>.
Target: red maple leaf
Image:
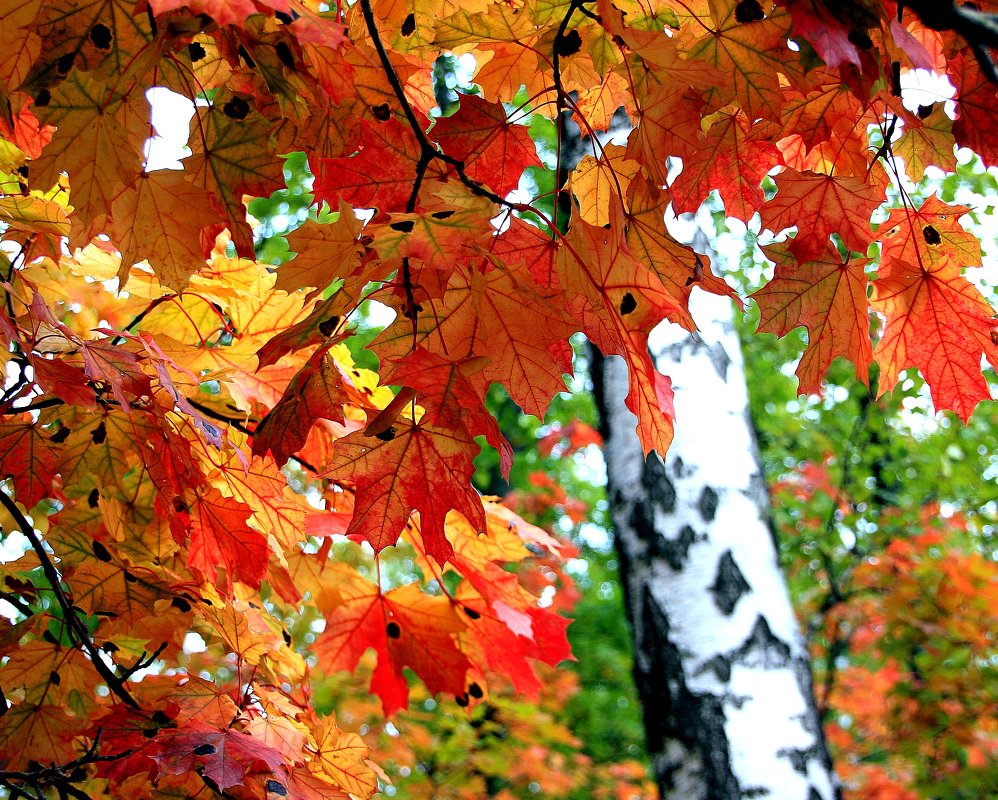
<point>409,467</point>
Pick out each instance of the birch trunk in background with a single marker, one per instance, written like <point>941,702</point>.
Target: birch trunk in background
<point>720,665</point>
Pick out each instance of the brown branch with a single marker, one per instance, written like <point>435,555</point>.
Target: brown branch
<point>77,628</point>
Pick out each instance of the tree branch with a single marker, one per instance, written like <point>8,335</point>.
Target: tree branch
<point>979,29</point>
<point>77,628</point>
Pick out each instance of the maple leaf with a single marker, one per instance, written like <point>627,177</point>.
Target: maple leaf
<point>409,467</point>
<point>938,322</point>
<point>732,157</point>
<point>316,392</point>
<point>324,252</point>
<point>829,204</point>
<point>232,157</point>
<point>172,210</point>
<point>379,175</point>
<point>493,150</point>
<point>220,536</point>
<point>405,626</point>
<point>225,757</point>
<point>828,296</point>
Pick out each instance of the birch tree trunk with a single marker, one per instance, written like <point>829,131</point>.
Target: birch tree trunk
<point>720,665</point>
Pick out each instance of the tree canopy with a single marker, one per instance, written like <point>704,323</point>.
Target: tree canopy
<point>206,467</point>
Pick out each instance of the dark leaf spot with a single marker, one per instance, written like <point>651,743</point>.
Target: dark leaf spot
<point>442,214</point>
<point>748,11</point>
<point>931,235</point>
<point>43,99</point>
<point>277,788</point>
<point>92,498</point>
<point>386,436</point>
<point>475,691</point>
<point>284,17</point>
<point>196,52</point>
<point>284,53</point>
<point>472,614</point>
<point>129,578</point>
<point>101,36</point>
<point>247,57</point>
<point>568,43</point>
<point>161,718</point>
<point>393,630</point>
<point>204,750</point>
<point>61,435</point>
<point>55,678</point>
<point>101,551</point>
<point>409,25</point>
<point>99,434</point>
<point>328,326</point>
<point>628,304</point>
<point>381,112</point>
<point>23,170</point>
<point>461,700</point>
<point>405,226</point>
<point>236,108</point>
<point>925,111</point>
<point>64,64</point>
<point>861,39</point>
<point>150,733</point>
<point>287,637</point>
<point>179,506</point>
<point>180,604</point>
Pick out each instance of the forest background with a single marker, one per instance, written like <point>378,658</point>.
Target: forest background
<point>152,547</point>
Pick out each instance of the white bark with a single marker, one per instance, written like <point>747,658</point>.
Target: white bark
<point>720,663</point>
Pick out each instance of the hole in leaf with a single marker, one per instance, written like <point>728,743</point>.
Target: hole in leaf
<point>749,11</point>
<point>129,578</point>
<point>381,112</point>
<point>101,36</point>
<point>472,614</point>
<point>628,304</point>
<point>61,435</point>
<point>284,17</point>
<point>236,108</point>
<point>99,434</point>
<point>568,43</point>
<point>277,788</point>
<point>180,604</point>
<point>393,630</point>
<point>92,498</point>
<point>442,214</point>
<point>405,226</point>
<point>409,25</point>
<point>925,111</point>
<point>204,750</point>
<point>160,717</point>
<point>461,700</point>
<point>931,235</point>
<point>44,98</point>
<point>196,52</point>
<point>246,57</point>
<point>475,691</point>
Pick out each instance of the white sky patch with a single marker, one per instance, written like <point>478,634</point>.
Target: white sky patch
<point>171,117</point>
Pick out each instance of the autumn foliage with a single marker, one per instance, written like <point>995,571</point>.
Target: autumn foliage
<point>186,436</point>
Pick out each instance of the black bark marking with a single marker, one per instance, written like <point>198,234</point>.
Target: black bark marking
<point>707,504</point>
<point>720,666</point>
<point>721,360</point>
<point>655,481</point>
<point>729,584</point>
<point>675,713</point>
<point>674,551</point>
<point>762,648</point>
